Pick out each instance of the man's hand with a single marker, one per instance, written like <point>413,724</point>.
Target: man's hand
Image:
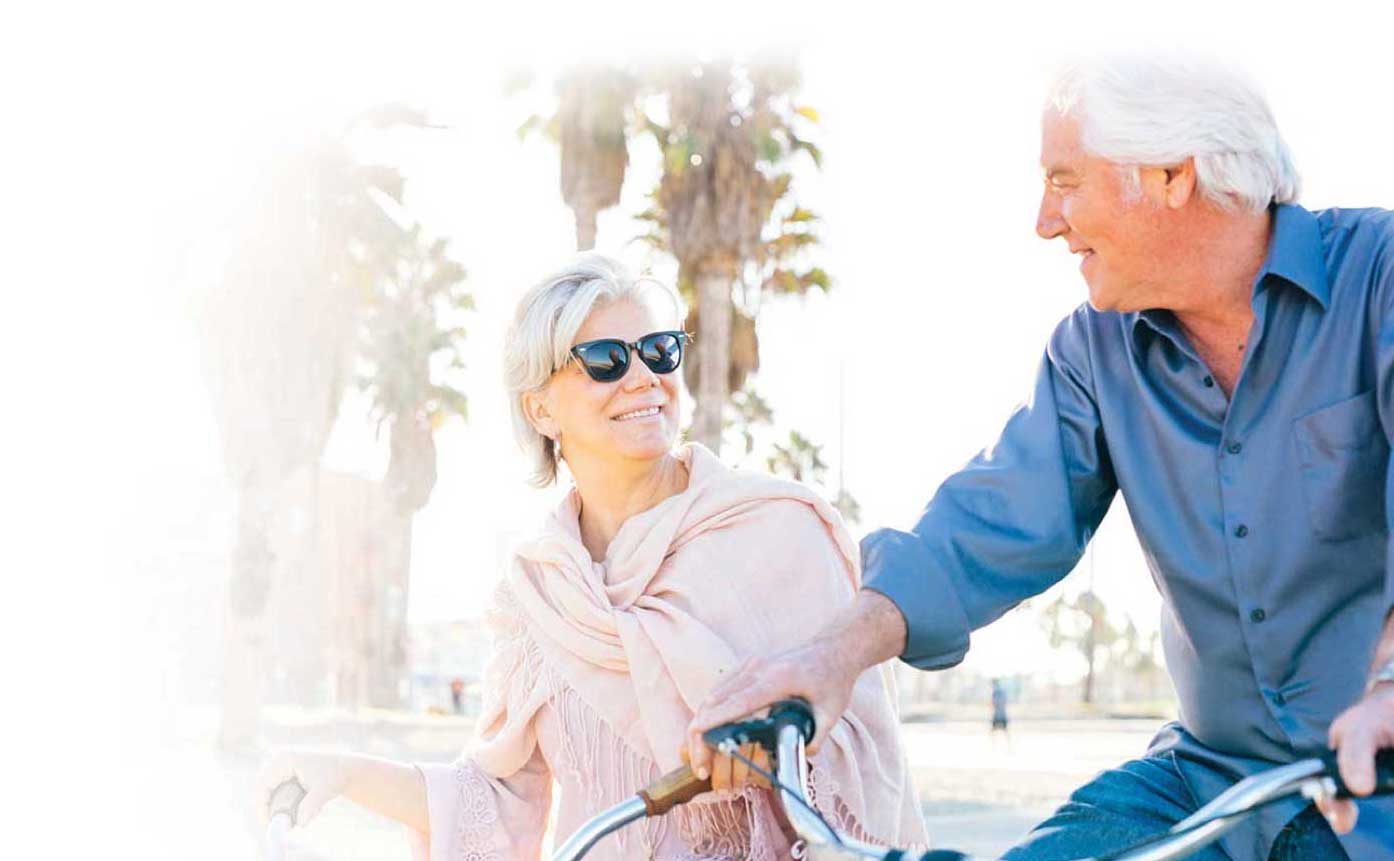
<point>1357,735</point>
<point>817,671</point>
<point>821,671</point>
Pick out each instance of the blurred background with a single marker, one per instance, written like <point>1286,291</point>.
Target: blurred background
<point>263,475</point>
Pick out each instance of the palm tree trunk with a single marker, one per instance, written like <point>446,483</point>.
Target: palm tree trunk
<point>713,356</point>
<point>585,228</point>
<point>244,649</point>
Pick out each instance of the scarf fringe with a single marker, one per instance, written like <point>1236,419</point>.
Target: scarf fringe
<point>732,828</point>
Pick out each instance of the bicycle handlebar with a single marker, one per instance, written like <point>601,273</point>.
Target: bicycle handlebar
<point>789,725</point>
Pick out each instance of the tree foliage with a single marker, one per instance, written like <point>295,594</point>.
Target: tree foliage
<point>409,346</point>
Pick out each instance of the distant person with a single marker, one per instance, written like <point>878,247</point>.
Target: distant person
<point>999,706</point>
<point>457,695</point>
<point>1232,375</point>
<point>660,570</point>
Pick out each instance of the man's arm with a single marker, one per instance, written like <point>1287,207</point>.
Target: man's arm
<point>1007,526</point>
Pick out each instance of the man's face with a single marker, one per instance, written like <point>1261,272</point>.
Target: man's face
<point>1117,232</point>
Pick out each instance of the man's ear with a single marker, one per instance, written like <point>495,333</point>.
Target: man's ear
<point>539,413</point>
<point>1180,184</point>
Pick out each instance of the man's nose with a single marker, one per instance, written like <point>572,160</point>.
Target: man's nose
<point>1049,222</point>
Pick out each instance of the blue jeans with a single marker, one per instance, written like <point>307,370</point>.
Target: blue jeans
<point>1141,799</point>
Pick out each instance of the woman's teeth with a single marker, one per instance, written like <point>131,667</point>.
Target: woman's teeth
<point>635,414</point>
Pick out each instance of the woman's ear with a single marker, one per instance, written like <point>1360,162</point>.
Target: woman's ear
<point>537,408</point>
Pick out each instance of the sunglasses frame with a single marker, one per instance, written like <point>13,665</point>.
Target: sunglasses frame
<point>631,349</point>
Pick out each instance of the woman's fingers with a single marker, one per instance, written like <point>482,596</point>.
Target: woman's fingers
<point>721,772</point>
<point>762,759</point>
<point>740,772</point>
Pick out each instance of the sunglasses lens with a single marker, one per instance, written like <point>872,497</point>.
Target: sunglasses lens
<point>662,352</point>
<point>605,361</point>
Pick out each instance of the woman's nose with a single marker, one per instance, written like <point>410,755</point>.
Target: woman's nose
<point>639,376</point>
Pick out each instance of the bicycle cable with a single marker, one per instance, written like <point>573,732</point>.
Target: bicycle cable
<point>729,748</point>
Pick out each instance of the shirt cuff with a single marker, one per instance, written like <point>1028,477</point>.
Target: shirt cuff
<point>899,566</point>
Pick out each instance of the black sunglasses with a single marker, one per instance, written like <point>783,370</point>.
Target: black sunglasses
<point>607,359</point>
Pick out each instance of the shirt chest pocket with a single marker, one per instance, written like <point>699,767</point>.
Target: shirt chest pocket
<point>1344,457</point>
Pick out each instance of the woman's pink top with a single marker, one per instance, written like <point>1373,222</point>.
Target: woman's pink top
<point>598,666</point>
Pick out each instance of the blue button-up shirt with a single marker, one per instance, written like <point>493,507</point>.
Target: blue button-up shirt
<point>1263,517</point>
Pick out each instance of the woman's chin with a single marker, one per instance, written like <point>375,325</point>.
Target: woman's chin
<point>653,440</point>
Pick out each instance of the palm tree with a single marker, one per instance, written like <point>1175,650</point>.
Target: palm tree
<point>279,336</point>
<point>408,327</point>
<point>410,347</point>
<point>724,209</point>
<point>591,127</point>
<point>1081,623</point>
<point>798,459</point>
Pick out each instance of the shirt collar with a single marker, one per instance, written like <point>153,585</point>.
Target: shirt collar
<point>1295,254</point>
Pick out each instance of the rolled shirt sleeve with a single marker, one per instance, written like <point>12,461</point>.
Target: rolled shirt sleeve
<point>1008,525</point>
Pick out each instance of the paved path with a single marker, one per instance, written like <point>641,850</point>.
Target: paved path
<point>979,794</point>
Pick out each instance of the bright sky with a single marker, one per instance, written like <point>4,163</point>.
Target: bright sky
<point>943,298</point>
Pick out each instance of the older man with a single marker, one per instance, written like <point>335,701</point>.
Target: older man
<point>1233,376</point>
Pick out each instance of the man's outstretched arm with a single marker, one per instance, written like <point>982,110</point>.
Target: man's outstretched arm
<point>822,671</point>
<point>1007,526</point>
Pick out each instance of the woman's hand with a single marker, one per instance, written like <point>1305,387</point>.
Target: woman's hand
<point>729,773</point>
<point>322,775</point>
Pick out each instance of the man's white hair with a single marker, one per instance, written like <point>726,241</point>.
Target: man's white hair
<point>547,319</point>
<point>1159,110</point>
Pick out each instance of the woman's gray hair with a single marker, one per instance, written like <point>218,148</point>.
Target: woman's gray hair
<point>1158,110</point>
<point>538,341</point>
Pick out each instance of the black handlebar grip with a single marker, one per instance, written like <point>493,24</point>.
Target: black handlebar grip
<point>1384,773</point>
<point>765,731</point>
<point>794,711</point>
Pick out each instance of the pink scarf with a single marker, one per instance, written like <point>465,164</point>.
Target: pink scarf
<point>738,564</point>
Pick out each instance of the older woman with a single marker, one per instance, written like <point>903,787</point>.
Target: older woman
<point>659,571</point>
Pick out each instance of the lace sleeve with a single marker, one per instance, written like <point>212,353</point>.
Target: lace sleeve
<point>475,817</point>
<point>492,804</point>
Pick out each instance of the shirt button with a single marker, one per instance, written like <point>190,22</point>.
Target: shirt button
<point>1235,447</point>
<point>1240,531</point>
<point>1258,615</point>
<point>1209,382</point>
